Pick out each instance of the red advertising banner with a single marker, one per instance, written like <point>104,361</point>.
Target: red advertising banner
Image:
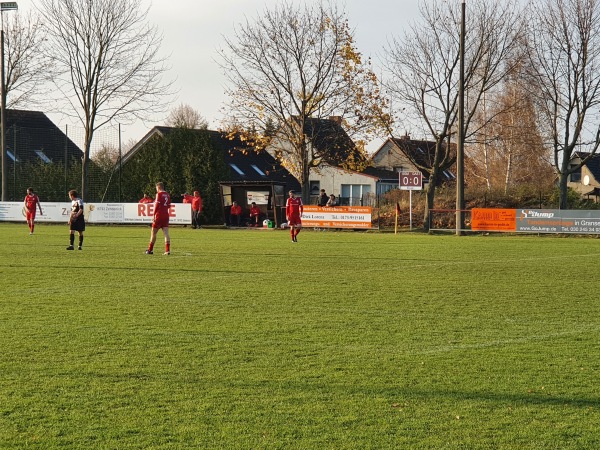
<point>487,219</point>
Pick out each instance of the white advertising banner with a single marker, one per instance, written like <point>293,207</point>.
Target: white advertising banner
<point>117,213</point>
<point>258,197</point>
<point>337,216</point>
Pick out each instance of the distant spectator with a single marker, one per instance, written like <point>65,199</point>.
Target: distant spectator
<point>332,201</point>
<point>235,215</point>
<point>254,215</point>
<point>146,199</point>
<point>322,201</point>
<point>196,202</point>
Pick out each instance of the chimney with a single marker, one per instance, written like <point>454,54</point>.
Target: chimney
<point>336,119</point>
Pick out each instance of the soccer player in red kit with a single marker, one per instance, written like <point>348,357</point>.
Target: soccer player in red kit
<point>160,221</point>
<point>293,213</point>
<point>31,201</point>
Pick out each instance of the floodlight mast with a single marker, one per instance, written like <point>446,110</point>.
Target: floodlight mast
<point>4,6</point>
<point>460,148</point>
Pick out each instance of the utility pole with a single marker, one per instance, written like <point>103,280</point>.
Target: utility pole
<point>4,6</point>
<point>460,148</point>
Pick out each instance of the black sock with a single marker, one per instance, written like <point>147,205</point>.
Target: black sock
<point>81,240</point>
<point>71,238</point>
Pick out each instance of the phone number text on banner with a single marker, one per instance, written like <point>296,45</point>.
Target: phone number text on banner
<point>337,217</point>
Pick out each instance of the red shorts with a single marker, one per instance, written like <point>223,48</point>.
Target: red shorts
<point>30,215</point>
<point>160,222</point>
<point>295,220</point>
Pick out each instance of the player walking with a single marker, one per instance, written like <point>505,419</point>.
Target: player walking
<point>160,221</point>
<point>293,213</point>
<point>31,201</point>
<point>76,220</point>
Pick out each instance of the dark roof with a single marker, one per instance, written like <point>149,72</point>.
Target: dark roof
<point>33,137</point>
<point>382,174</point>
<point>253,167</point>
<point>593,163</point>
<point>422,154</point>
<point>330,139</point>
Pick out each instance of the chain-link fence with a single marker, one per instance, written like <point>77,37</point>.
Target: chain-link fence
<point>49,160</point>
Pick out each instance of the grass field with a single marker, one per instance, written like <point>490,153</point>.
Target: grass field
<point>346,340</point>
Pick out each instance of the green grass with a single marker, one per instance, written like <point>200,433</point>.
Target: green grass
<point>345,340</point>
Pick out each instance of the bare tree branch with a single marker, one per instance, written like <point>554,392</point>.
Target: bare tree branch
<point>292,65</point>
<point>107,62</point>
<point>423,69</point>
<point>565,69</point>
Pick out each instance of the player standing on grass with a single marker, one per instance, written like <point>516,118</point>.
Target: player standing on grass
<point>31,201</point>
<point>76,220</point>
<point>160,221</point>
<point>293,213</point>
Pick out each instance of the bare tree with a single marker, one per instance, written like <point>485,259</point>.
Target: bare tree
<point>106,157</point>
<point>27,67</point>
<point>509,148</point>
<point>424,72</point>
<point>107,61</point>
<point>184,116</point>
<point>565,69</point>
<point>294,66</point>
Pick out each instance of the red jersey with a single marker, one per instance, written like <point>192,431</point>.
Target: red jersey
<point>195,201</point>
<point>31,201</point>
<point>162,203</point>
<point>146,199</point>
<point>254,211</point>
<point>294,207</point>
<point>236,210</point>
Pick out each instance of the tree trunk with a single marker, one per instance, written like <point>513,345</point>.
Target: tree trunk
<point>563,190</point>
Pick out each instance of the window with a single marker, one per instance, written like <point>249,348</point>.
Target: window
<point>236,168</point>
<point>42,156</point>
<point>11,156</point>
<point>449,175</point>
<point>260,172</point>
<point>352,194</point>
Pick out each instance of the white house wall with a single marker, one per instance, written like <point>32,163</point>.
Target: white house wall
<point>332,178</point>
<point>389,157</point>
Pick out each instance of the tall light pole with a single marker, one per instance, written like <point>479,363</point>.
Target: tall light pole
<point>4,6</point>
<point>460,147</point>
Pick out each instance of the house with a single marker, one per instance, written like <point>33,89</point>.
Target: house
<point>341,169</point>
<point>38,155</point>
<point>352,188</point>
<point>401,154</point>
<point>586,179</point>
<point>252,176</point>
<point>31,137</point>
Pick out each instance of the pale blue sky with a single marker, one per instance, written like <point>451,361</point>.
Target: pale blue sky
<point>193,29</point>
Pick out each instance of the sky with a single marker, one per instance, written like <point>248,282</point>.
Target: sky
<point>193,31</point>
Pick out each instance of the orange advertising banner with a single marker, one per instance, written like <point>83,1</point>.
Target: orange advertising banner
<point>337,217</point>
<point>493,219</point>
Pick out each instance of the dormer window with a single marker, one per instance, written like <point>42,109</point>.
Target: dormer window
<point>236,168</point>
<point>43,156</point>
<point>260,172</point>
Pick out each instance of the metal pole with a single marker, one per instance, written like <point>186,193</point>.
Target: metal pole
<point>410,209</point>
<point>460,149</point>
<point>66,159</point>
<point>3,120</point>
<point>120,159</point>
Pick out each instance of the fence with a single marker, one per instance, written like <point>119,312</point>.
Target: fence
<point>49,160</point>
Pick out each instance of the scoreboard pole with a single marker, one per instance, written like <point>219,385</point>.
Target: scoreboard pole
<point>410,181</point>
